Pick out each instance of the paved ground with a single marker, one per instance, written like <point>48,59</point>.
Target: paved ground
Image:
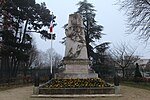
<point>24,93</point>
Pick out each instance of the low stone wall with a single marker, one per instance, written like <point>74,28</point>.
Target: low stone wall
<point>71,91</point>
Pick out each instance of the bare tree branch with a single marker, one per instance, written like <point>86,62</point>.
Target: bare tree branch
<point>123,56</point>
<point>138,12</point>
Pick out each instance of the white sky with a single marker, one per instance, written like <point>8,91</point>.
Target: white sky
<point>107,15</point>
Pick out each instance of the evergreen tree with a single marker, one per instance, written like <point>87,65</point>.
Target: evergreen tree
<point>93,31</point>
<point>19,18</point>
<point>137,72</point>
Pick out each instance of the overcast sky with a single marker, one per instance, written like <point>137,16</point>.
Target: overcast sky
<point>107,15</point>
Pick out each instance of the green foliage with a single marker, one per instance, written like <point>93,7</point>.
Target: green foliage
<point>93,31</point>
<point>19,19</point>
<point>137,72</point>
<point>36,16</point>
<point>103,71</point>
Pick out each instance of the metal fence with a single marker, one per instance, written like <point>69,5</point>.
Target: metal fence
<point>28,78</point>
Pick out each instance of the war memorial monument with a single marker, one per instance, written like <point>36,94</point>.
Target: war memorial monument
<point>76,62</point>
<point>77,78</point>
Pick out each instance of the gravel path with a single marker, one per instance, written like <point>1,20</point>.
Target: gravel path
<point>24,93</point>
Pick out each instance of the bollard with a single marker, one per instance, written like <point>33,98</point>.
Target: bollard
<point>36,80</point>
<point>36,84</point>
<point>116,83</point>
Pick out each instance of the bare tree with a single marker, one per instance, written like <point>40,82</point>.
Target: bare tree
<point>123,56</point>
<point>32,55</point>
<point>138,12</point>
<point>40,59</point>
<point>56,58</point>
<point>43,59</point>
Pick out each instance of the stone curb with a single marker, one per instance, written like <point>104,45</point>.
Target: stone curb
<point>76,96</point>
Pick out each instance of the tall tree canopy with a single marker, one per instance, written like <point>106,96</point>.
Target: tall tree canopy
<point>93,31</point>
<point>138,12</point>
<point>18,18</point>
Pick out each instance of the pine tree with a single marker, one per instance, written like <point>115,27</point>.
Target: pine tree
<point>19,19</point>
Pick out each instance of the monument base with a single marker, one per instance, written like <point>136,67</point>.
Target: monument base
<point>88,86</point>
<point>75,91</point>
<point>76,68</point>
<point>75,75</point>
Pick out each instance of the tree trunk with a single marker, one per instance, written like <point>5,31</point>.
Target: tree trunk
<point>123,72</point>
<point>25,29</point>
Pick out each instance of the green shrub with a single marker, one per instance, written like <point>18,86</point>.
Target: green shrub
<point>137,74</point>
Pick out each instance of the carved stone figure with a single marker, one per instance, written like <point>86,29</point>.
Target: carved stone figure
<point>75,38</point>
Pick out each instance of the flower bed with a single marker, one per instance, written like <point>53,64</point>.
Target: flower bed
<point>76,83</point>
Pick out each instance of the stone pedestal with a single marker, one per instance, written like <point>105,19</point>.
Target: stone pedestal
<point>117,89</point>
<point>35,90</point>
<point>77,68</point>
